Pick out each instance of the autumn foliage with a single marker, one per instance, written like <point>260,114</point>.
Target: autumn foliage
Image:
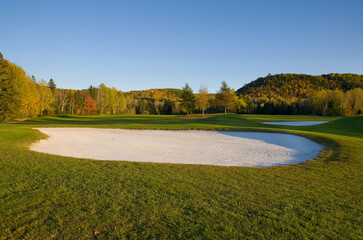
<point>89,106</point>
<point>334,94</point>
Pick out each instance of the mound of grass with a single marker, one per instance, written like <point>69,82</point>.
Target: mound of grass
<point>51,197</point>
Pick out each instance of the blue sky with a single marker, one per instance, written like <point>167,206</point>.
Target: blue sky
<point>135,45</point>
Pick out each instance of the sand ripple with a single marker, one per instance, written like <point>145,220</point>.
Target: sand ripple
<point>187,147</point>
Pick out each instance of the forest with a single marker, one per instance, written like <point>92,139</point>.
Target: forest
<point>22,97</point>
<point>329,94</point>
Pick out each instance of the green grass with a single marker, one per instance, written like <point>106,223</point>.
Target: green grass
<point>51,197</point>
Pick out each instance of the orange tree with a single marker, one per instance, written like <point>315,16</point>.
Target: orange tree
<point>89,106</point>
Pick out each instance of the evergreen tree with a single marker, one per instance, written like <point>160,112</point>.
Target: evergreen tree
<point>92,91</point>
<point>188,99</point>
<point>51,85</point>
<point>226,97</point>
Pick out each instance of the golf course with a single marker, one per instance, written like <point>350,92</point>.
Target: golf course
<point>46,196</point>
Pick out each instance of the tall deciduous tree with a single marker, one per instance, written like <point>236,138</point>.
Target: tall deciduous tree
<point>101,98</point>
<point>46,99</point>
<point>9,98</point>
<point>89,106</point>
<point>355,98</point>
<point>321,102</point>
<point>188,99</point>
<point>62,99</point>
<point>241,104</point>
<point>18,93</point>
<point>339,103</point>
<point>111,100</point>
<point>226,97</point>
<point>203,99</point>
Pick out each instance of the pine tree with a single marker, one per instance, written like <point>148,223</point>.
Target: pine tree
<point>188,99</point>
<point>92,91</point>
<point>226,97</point>
<point>51,85</point>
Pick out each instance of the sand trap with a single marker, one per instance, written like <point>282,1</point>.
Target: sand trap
<point>187,147</point>
<point>305,123</point>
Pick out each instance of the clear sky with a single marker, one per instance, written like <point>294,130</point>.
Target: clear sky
<point>135,45</point>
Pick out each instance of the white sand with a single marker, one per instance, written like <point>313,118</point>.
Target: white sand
<point>304,123</point>
<point>187,147</point>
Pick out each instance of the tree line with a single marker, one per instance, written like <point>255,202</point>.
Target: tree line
<point>22,96</point>
<point>324,102</point>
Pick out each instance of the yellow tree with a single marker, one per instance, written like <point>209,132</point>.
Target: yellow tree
<point>355,98</point>
<point>9,96</point>
<point>18,93</point>
<point>101,98</point>
<point>121,102</point>
<point>46,99</point>
<point>321,102</point>
<point>339,103</point>
<point>111,100</point>
<point>30,98</point>
<point>241,104</point>
<point>203,99</point>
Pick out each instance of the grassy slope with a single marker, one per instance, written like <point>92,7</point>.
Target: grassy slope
<point>44,196</point>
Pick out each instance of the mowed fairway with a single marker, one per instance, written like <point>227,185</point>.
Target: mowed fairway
<point>51,197</point>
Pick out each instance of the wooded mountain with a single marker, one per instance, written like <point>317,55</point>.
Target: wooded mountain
<point>300,85</point>
<point>160,94</point>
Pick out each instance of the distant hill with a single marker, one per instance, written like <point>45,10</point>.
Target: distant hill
<point>164,93</point>
<point>299,85</point>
